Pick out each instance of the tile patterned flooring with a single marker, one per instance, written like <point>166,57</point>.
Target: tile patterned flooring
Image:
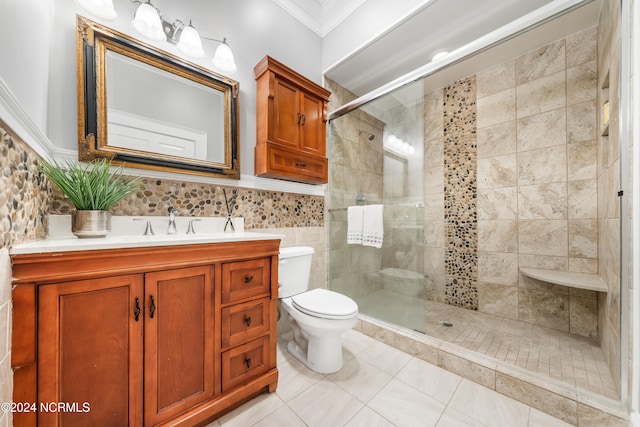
<point>380,386</point>
<point>571,359</point>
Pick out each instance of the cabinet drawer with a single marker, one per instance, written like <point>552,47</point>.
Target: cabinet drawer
<point>298,165</point>
<point>245,362</point>
<point>244,322</point>
<point>246,279</point>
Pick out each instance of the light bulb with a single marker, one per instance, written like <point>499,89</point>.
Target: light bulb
<point>147,23</point>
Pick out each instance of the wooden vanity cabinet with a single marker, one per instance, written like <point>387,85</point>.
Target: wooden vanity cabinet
<point>291,114</point>
<point>144,336</point>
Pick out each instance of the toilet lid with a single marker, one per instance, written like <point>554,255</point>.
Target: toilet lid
<point>325,304</point>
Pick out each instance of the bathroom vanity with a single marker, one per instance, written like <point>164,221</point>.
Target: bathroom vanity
<point>137,330</point>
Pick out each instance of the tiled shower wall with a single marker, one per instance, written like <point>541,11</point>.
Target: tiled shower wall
<point>608,149</point>
<point>536,185</point>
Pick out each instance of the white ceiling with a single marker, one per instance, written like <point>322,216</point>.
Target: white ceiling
<point>409,44</point>
<point>321,16</point>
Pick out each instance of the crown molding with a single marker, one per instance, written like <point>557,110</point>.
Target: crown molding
<point>320,16</point>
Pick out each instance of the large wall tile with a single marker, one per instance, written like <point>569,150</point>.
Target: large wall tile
<point>582,83</point>
<point>544,201</point>
<point>545,94</point>
<point>542,130</point>
<point>499,300</point>
<point>542,166</point>
<point>582,160</point>
<point>497,236</point>
<point>582,46</point>
<point>540,62</point>
<point>499,171</point>
<point>496,79</point>
<point>498,267</point>
<point>545,309</point>
<point>583,316</point>
<point>582,121</point>
<point>497,203</point>
<point>543,237</point>
<point>583,238</point>
<point>583,199</point>
<point>497,108</point>
<point>496,140</point>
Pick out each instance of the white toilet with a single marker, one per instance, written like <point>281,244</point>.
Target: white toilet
<point>317,316</point>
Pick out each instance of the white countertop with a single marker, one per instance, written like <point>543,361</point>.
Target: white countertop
<point>124,237</point>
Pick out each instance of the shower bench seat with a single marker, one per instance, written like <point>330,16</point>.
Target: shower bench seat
<point>591,282</point>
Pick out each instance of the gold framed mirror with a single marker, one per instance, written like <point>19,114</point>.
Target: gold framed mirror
<point>146,108</point>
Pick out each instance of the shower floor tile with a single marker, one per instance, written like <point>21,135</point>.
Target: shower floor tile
<point>574,360</point>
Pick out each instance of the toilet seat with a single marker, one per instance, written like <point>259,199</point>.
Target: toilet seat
<point>325,304</point>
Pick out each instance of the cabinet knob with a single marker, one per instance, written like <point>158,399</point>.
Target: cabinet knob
<point>248,279</point>
<point>247,362</point>
<point>247,320</point>
<point>303,119</point>
<point>136,310</point>
<point>152,307</point>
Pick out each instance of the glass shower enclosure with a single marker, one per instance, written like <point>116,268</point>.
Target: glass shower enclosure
<point>377,157</point>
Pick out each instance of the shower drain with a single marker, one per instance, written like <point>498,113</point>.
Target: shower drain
<point>447,324</point>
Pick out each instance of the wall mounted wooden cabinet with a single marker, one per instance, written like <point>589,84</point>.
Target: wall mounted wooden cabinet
<point>144,336</point>
<point>291,125</point>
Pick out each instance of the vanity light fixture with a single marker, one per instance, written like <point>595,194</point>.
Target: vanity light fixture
<point>100,8</point>
<point>148,22</point>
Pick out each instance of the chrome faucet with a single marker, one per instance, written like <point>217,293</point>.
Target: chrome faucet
<point>172,220</point>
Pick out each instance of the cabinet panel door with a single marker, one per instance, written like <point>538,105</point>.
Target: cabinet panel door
<point>90,350</point>
<point>179,341</point>
<point>286,112</point>
<point>312,130</point>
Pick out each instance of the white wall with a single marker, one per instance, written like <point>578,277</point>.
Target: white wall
<point>25,28</point>
<point>253,28</point>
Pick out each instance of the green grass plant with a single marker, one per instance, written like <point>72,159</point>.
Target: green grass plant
<point>90,186</point>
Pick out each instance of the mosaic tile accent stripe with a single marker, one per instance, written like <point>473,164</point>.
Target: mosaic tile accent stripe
<point>24,195</point>
<point>260,209</point>
<point>460,189</point>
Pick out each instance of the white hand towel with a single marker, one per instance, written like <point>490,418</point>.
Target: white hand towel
<point>373,226</point>
<point>354,225</point>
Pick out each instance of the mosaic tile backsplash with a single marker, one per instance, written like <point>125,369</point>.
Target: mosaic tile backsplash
<point>260,209</point>
<point>24,195</point>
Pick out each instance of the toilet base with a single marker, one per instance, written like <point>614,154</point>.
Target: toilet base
<point>325,353</point>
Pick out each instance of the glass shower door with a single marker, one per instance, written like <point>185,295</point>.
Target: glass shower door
<point>377,157</point>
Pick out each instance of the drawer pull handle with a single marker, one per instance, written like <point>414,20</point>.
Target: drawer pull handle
<point>136,310</point>
<point>247,362</point>
<point>152,307</point>
<point>302,165</point>
<point>248,279</point>
<point>247,321</point>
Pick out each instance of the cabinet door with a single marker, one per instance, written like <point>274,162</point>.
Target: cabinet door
<point>179,341</point>
<point>312,130</point>
<point>286,114</point>
<point>90,353</point>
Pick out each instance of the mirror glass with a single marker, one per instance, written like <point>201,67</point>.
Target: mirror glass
<point>146,108</point>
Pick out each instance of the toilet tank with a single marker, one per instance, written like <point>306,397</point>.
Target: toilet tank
<point>294,269</point>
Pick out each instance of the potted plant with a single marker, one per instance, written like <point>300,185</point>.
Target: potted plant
<point>93,188</point>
